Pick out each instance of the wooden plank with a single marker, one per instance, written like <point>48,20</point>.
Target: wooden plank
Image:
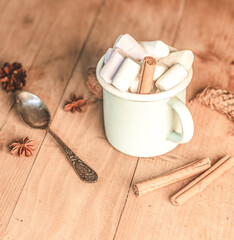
<point>209,215</point>
<point>54,201</point>
<point>52,67</point>
<point>3,6</point>
<point>24,32</point>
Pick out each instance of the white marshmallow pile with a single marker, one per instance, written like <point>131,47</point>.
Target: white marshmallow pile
<point>122,64</point>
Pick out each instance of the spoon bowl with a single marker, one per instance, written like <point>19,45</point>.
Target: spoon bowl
<point>36,114</point>
<point>33,111</point>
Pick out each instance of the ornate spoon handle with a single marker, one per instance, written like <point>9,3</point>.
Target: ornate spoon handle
<point>85,173</point>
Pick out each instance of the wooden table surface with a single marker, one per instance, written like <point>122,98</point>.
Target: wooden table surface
<point>41,197</point>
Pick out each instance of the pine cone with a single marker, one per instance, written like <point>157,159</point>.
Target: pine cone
<point>219,100</point>
<point>92,83</point>
<point>12,76</point>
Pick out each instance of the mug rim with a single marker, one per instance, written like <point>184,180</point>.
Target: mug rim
<point>142,97</point>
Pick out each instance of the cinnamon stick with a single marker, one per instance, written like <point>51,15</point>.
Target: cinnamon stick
<point>147,75</point>
<point>201,182</point>
<point>176,175</point>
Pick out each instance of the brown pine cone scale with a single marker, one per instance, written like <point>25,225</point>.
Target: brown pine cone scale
<point>12,77</point>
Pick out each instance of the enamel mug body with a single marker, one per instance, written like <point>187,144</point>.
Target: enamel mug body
<point>146,125</point>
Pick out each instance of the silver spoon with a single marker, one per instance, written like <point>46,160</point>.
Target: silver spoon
<point>36,114</point>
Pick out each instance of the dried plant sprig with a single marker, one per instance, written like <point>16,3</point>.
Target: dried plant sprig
<point>92,83</point>
<point>219,100</point>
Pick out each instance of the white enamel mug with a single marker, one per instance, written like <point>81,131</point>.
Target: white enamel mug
<point>146,125</point>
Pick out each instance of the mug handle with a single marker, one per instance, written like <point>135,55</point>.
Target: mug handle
<point>185,119</point>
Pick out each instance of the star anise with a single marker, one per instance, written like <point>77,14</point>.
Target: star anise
<point>75,104</point>
<point>12,76</point>
<point>22,147</point>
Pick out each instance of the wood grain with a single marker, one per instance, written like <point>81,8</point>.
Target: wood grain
<point>24,32</point>
<point>211,214</point>
<point>52,64</point>
<point>68,208</point>
<point>41,197</point>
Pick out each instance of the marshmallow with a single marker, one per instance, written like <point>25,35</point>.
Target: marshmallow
<point>132,48</point>
<point>172,49</point>
<point>156,49</point>
<point>112,66</point>
<point>159,70</point>
<point>171,78</point>
<point>185,58</point>
<point>119,37</point>
<point>108,54</point>
<point>126,74</point>
<point>135,84</point>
